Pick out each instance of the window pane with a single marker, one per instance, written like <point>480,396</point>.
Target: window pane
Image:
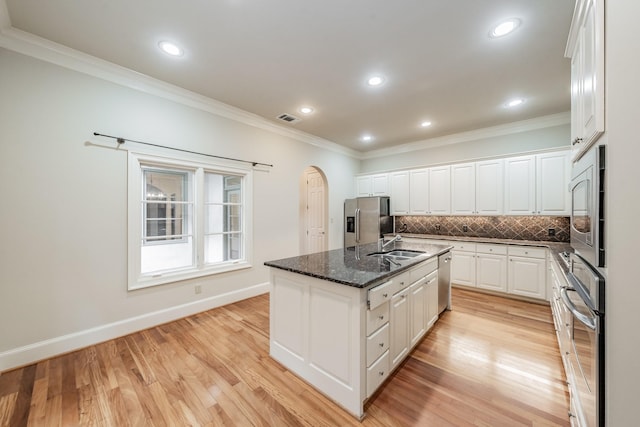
<point>156,258</point>
<point>223,247</point>
<point>222,188</point>
<point>166,205</point>
<point>222,218</point>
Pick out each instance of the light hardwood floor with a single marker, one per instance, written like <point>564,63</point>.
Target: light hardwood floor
<point>489,362</point>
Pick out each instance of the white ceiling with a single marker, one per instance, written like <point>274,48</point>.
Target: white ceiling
<point>272,56</point>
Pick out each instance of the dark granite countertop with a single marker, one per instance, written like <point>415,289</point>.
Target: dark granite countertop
<point>351,266</point>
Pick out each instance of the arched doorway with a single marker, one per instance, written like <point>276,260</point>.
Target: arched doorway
<point>313,212</point>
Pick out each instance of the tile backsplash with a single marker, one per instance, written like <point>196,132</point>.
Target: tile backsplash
<point>502,227</point>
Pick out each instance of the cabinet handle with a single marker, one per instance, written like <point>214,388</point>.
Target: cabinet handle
<point>576,141</point>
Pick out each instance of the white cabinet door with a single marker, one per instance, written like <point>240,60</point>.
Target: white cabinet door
<point>463,268</point>
<point>491,272</point>
<point>527,277</point>
<point>489,185</point>
<point>432,301</point>
<point>372,185</point>
<point>463,189</point>
<point>399,193</point>
<point>364,186</point>
<point>418,312</point>
<point>552,178</point>
<point>399,323</point>
<point>419,192</point>
<point>587,75</point>
<point>520,185</point>
<point>440,190</point>
<point>380,184</point>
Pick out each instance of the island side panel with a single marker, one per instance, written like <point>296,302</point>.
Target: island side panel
<point>317,332</point>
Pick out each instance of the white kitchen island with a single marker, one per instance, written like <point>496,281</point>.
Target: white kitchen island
<point>344,319</point>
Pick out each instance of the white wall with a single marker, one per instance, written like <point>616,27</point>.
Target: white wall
<point>504,145</point>
<point>63,257</point>
<point>622,212</point>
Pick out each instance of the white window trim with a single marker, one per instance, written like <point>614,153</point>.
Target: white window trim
<point>138,281</point>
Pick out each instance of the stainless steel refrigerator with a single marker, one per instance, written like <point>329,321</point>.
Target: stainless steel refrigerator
<point>366,219</point>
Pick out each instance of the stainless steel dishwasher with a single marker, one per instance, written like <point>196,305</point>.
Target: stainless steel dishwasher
<point>444,282</point>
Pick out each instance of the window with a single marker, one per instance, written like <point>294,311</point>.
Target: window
<point>186,219</point>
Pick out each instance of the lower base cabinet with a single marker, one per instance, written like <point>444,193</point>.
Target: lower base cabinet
<point>491,267</point>
<point>512,269</point>
<point>399,319</point>
<point>527,272</point>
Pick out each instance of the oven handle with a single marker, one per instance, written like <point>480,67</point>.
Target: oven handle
<point>588,321</point>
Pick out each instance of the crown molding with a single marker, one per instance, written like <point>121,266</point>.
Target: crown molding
<point>37,47</point>
<point>484,133</point>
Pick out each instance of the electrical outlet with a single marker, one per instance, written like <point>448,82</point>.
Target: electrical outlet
<point>198,289</point>
<point>465,228</point>
<point>552,232</point>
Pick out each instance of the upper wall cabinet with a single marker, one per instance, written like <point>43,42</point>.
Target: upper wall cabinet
<point>520,185</point>
<point>440,190</point>
<point>586,50</point>
<point>400,188</point>
<point>421,191</point>
<point>372,185</point>
<point>553,172</point>
<point>476,188</point>
<point>537,185</point>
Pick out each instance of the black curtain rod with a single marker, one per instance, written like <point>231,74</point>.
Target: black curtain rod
<point>122,141</point>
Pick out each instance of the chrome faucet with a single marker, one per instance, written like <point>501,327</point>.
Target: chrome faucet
<point>396,238</point>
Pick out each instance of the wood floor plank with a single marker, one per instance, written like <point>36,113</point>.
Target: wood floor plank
<point>491,361</point>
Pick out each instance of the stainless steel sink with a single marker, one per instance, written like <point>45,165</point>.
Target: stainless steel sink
<point>397,255</point>
<point>408,254</point>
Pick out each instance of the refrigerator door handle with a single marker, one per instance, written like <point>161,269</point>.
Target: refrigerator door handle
<point>357,225</point>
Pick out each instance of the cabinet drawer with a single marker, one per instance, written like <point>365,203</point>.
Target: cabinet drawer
<point>377,317</point>
<point>464,246</point>
<point>423,269</point>
<point>528,251</point>
<point>400,282</point>
<point>380,294</point>
<point>377,373</point>
<point>483,248</point>
<point>377,344</point>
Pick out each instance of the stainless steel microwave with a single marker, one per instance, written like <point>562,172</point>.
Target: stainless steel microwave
<point>587,206</point>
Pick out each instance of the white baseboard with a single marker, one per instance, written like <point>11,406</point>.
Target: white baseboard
<point>35,352</point>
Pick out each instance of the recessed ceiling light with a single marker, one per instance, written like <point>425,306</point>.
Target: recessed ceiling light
<point>306,110</point>
<point>514,103</point>
<point>170,48</point>
<point>505,28</point>
<point>367,138</point>
<point>425,124</point>
<point>375,80</point>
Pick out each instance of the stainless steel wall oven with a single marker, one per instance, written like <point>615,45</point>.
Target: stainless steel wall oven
<point>584,299</point>
<point>587,206</point>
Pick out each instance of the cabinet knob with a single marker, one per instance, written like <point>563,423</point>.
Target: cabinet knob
<point>381,344</point>
<point>381,373</point>
<point>381,317</point>
<point>385,295</point>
